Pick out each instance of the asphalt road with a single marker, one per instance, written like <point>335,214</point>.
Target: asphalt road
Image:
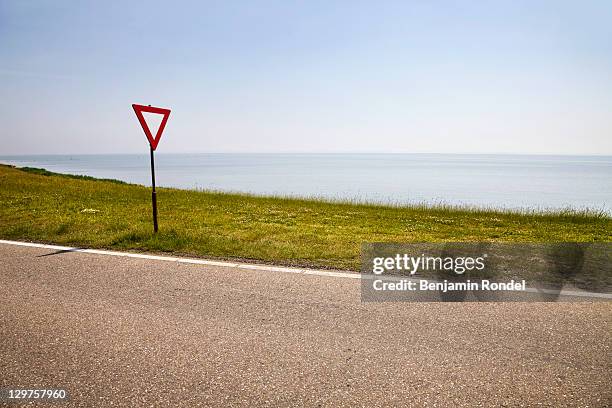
<point>137,332</point>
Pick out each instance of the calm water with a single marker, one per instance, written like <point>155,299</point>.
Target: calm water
<point>509,181</point>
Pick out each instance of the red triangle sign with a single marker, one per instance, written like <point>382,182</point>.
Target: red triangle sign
<point>153,141</point>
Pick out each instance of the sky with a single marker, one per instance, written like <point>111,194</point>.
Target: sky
<point>532,77</point>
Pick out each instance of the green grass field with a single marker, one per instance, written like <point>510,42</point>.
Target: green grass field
<point>41,206</point>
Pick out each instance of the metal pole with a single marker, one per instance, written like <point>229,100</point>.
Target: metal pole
<point>153,194</point>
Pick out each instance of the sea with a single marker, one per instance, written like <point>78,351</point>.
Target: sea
<point>519,182</point>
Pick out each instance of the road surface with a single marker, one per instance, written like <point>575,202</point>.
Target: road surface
<point>139,332</point>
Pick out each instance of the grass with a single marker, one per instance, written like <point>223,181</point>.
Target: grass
<point>44,172</point>
<point>77,210</point>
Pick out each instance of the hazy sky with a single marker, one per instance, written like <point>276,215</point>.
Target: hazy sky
<point>307,76</point>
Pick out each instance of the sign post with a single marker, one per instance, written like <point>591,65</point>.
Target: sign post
<point>153,193</point>
<point>153,141</point>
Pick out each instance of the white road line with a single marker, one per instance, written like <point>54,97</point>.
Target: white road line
<point>265,268</point>
<point>268,268</point>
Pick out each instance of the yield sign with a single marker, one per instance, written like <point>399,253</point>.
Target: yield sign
<point>153,141</point>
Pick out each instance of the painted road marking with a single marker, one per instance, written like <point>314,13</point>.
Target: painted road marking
<point>255,267</point>
<point>267,268</point>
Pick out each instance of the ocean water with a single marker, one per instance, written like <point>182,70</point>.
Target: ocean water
<point>501,181</point>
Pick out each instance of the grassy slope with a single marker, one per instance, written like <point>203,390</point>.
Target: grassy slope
<point>54,208</point>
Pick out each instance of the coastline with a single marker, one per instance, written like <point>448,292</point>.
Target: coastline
<point>83,211</point>
<point>519,183</point>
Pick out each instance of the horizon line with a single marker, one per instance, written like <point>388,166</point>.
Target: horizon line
<point>317,153</point>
